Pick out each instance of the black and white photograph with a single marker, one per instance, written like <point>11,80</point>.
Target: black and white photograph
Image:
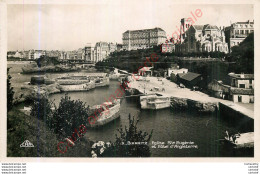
<point>130,79</point>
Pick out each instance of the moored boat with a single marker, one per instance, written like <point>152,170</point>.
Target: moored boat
<point>104,113</point>
<point>73,80</point>
<point>154,102</point>
<point>102,81</point>
<point>78,87</point>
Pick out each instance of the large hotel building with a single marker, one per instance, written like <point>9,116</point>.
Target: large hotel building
<point>140,39</point>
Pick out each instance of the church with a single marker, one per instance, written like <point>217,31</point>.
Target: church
<point>201,38</point>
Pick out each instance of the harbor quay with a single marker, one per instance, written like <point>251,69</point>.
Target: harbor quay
<point>163,87</point>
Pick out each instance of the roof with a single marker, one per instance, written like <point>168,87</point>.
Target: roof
<point>189,76</point>
<point>247,22</point>
<point>198,27</point>
<point>145,69</point>
<point>242,91</point>
<point>242,76</point>
<point>151,29</point>
<point>210,27</point>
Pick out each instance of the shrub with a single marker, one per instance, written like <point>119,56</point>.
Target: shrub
<point>121,147</point>
<point>10,92</point>
<point>69,116</point>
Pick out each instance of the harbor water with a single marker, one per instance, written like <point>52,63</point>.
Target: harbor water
<point>204,131</point>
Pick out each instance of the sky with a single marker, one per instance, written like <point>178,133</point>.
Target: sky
<point>70,27</point>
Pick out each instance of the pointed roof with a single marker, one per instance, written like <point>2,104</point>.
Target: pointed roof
<point>210,27</point>
<point>198,27</point>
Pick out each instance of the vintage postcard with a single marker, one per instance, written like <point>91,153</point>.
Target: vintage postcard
<point>129,79</point>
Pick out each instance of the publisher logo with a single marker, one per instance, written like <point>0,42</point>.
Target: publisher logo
<point>26,143</point>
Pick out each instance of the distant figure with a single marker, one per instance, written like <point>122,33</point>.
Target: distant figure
<point>234,138</point>
<point>227,137</point>
<point>163,90</point>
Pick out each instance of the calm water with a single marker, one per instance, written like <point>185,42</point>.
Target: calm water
<point>167,125</point>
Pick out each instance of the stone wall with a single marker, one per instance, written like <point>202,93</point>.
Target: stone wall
<point>197,106</point>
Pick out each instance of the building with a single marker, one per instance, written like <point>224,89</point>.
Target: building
<point>101,51</point>
<point>119,47</point>
<point>53,53</point>
<point>189,79</point>
<point>240,88</point>
<point>145,71</point>
<point>35,54</point>
<point>112,47</point>
<point>141,39</point>
<point>167,47</point>
<point>185,25</point>
<point>26,54</point>
<point>201,38</point>
<point>237,32</point>
<point>80,54</point>
<point>176,71</point>
<point>89,52</point>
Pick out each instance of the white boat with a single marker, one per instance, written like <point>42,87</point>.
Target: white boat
<point>79,87</point>
<point>73,80</point>
<point>104,113</point>
<point>244,140</point>
<point>102,82</point>
<point>154,102</point>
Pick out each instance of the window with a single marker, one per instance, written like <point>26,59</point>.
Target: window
<point>237,31</point>
<point>242,86</point>
<point>241,31</point>
<point>239,98</point>
<point>247,32</point>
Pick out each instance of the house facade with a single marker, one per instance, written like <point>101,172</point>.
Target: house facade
<point>239,89</point>
<point>237,32</point>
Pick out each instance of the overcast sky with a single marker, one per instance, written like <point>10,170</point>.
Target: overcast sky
<point>69,27</point>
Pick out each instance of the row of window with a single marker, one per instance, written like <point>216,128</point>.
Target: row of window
<point>243,31</point>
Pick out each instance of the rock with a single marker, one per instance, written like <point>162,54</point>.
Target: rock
<point>192,105</point>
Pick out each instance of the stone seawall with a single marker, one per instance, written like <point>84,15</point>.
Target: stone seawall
<point>188,104</point>
<point>242,121</point>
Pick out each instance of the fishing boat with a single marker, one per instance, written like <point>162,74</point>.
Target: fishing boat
<point>104,113</point>
<point>155,102</point>
<point>243,140</point>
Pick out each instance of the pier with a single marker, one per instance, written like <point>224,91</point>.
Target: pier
<point>162,86</point>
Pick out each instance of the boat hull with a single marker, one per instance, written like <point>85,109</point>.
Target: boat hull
<point>80,87</point>
<point>154,102</point>
<point>107,116</point>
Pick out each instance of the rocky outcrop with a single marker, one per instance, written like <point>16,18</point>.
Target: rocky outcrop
<point>51,68</point>
<point>31,92</point>
<point>192,105</point>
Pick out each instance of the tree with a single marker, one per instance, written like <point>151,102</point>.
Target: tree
<point>70,115</point>
<point>243,54</point>
<point>41,109</point>
<point>123,146</point>
<point>10,92</point>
